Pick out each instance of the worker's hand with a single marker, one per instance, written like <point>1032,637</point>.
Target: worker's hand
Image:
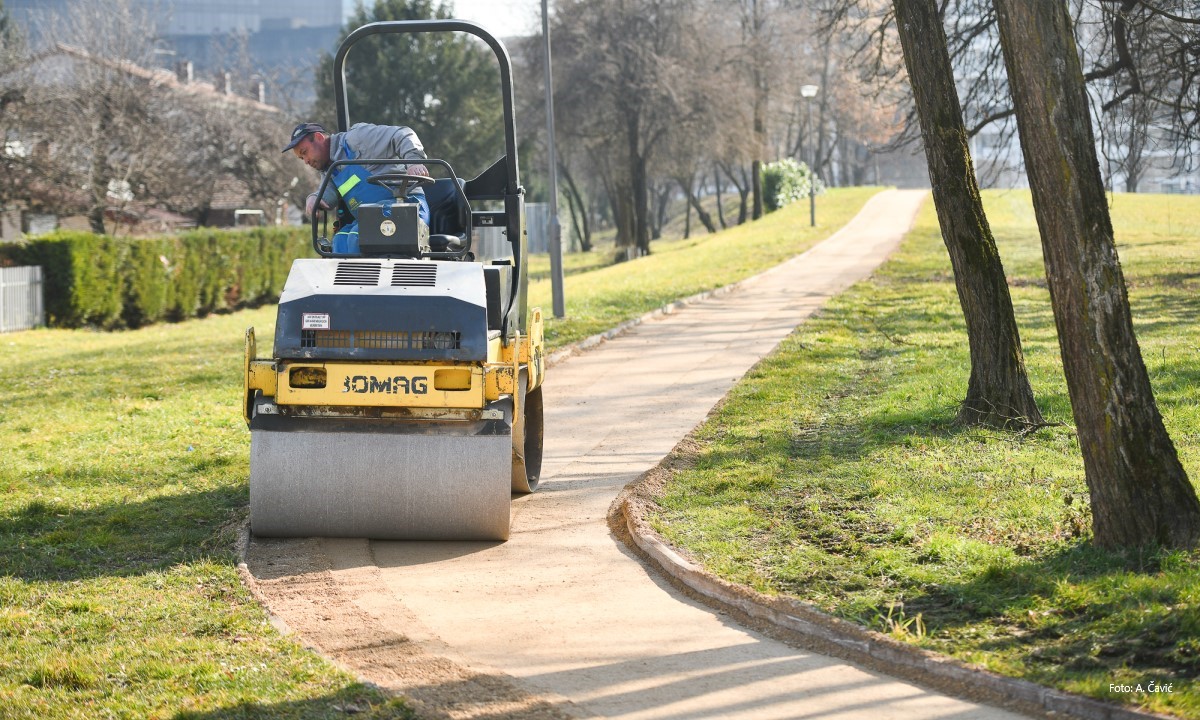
<point>418,170</point>
<point>311,205</point>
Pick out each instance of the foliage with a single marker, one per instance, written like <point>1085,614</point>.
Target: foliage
<point>445,87</point>
<point>835,472</point>
<point>106,282</point>
<point>786,181</point>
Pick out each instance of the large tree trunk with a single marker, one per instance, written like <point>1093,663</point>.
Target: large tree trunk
<point>998,393</point>
<point>1139,491</point>
<point>758,77</point>
<point>640,186</point>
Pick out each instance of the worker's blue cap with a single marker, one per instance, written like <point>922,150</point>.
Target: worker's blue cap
<point>302,131</point>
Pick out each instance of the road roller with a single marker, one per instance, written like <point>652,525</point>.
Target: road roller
<point>402,397</point>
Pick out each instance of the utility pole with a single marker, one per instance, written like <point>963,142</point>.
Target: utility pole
<point>556,269</point>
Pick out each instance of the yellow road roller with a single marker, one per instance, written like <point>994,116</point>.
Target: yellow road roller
<point>402,398</point>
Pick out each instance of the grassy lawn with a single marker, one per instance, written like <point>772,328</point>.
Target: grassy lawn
<point>834,472</point>
<point>123,477</point>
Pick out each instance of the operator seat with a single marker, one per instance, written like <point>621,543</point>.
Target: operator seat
<point>449,216</point>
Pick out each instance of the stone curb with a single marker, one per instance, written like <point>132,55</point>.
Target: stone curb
<point>809,626</point>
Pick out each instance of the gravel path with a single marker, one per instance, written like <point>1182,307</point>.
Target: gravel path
<point>563,620</point>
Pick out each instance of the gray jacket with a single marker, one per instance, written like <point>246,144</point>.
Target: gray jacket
<point>374,141</point>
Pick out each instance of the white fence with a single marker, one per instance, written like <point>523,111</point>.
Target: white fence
<point>21,302</point>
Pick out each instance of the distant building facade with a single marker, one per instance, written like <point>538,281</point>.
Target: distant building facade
<point>284,39</point>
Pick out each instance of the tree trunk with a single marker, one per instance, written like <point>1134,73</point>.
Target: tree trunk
<point>756,186</point>
<point>658,218</point>
<point>1135,158</point>
<point>97,179</point>
<point>720,207</point>
<point>693,201</point>
<point>1139,491</point>
<point>578,211</point>
<point>687,221</point>
<point>758,77</point>
<point>622,202</point>
<point>640,186</point>
<point>998,392</point>
<point>742,190</point>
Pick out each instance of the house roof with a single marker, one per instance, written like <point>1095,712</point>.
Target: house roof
<point>155,77</point>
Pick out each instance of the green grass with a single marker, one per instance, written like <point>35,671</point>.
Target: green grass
<point>123,478</point>
<point>834,472</point>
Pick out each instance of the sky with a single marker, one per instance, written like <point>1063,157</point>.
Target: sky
<point>503,18</point>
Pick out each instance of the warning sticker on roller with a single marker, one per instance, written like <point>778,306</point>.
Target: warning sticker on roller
<point>314,321</point>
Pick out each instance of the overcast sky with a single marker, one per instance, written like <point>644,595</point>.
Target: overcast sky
<point>503,18</point>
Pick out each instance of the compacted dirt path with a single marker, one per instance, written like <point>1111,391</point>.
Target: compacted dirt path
<point>563,620</point>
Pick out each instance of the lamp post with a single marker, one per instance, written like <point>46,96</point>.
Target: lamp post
<point>808,92</point>
<point>556,269</point>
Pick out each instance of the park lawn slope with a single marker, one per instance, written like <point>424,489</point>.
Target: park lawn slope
<point>834,473</point>
<point>124,482</point>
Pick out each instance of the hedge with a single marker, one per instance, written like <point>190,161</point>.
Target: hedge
<point>105,282</point>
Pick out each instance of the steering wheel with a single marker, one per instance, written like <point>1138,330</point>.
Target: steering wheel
<point>401,184</point>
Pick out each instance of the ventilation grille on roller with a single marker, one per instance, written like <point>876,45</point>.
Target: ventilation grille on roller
<point>414,275</point>
<point>380,340</point>
<point>357,274</point>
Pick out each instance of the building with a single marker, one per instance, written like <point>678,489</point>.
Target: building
<point>38,210</point>
<point>284,39</point>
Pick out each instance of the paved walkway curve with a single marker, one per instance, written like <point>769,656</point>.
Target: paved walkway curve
<point>563,620</point>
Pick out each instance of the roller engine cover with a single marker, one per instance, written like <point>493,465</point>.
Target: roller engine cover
<point>381,309</point>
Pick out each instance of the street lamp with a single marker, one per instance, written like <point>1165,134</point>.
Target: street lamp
<point>808,92</point>
<point>556,269</point>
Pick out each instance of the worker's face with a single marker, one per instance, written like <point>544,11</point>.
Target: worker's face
<point>314,151</point>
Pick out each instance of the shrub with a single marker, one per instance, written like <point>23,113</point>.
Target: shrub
<point>787,181</point>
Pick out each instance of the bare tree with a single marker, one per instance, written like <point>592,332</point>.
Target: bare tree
<point>756,43</point>
<point>99,118</point>
<point>1140,493</point>
<point>106,129</point>
<point>14,168</point>
<point>998,392</point>
<point>628,80</point>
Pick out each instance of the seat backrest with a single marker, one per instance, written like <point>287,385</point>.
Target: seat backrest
<point>447,212</point>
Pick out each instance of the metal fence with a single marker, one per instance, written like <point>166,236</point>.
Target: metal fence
<point>21,298</point>
<point>490,243</point>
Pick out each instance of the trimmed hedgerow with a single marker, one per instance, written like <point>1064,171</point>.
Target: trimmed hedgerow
<point>105,282</point>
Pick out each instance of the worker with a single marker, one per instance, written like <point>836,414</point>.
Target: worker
<point>348,188</point>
